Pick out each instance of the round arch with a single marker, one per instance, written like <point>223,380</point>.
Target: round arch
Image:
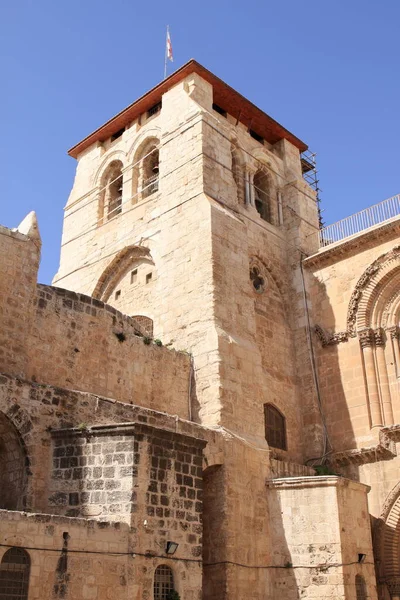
<point>13,466</point>
<point>125,259</point>
<point>368,288</point>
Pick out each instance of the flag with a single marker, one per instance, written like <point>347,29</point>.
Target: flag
<point>169,47</point>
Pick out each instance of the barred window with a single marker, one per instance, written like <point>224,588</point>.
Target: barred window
<point>14,575</point>
<point>275,427</point>
<point>163,582</point>
<point>361,588</point>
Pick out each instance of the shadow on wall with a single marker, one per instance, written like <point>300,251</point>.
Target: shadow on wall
<point>13,467</point>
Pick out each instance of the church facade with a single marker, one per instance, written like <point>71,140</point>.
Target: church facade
<point>204,404</point>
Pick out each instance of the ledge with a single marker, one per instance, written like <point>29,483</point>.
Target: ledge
<point>339,250</point>
<point>314,482</point>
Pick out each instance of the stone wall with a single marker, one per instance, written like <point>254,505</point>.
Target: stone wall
<point>323,563</point>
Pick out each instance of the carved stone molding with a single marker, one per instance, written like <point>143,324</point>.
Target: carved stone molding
<point>330,339</point>
<point>380,337</point>
<point>393,332</point>
<point>363,282</point>
<point>384,450</point>
<point>366,338</point>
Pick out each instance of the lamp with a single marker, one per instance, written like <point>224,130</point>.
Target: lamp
<point>171,547</point>
<point>361,558</point>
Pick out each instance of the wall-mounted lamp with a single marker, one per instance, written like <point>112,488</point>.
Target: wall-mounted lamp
<point>171,547</point>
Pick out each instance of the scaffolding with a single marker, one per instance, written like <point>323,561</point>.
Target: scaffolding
<point>310,174</point>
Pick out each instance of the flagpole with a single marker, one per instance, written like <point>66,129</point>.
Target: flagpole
<point>166,53</point>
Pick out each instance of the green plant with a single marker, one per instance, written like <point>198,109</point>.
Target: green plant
<point>158,342</point>
<point>288,565</point>
<point>323,470</point>
<point>82,426</point>
<point>146,340</point>
<point>173,595</point>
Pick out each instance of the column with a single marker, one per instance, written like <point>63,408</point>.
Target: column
<point>366,341</point>
<point>383,376</point>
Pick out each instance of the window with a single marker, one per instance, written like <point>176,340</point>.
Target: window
<point>257,280</point>
<point>117,294</point>
<point>219,110</point>
<point>111,191</point>
<point>150,173</point>
<point>154,110</point>
<point>163,582</point>
<point>117,134</point>
<point>149,277</point>
<point>14,575</point>
<point>275,427</point>
<point>262,195</point>
<point>256,136</point>
<point>361,588</point>
<point>134,276</point>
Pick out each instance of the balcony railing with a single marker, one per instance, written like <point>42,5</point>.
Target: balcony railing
<point>150,186</point>
<point>379,213</point>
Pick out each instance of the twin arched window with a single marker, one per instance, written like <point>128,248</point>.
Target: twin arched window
<point>275,427</point>
<point>14,574</point>
<point>262,195</point>
<point>163,583</point>
<point>144,180</point>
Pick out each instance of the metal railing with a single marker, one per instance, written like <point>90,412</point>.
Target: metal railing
<point>385,210</point>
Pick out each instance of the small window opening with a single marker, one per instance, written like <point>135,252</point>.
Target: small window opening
<point>117,134</point>
<point>219,110</point>
<point>257,281</point>
<point>275,427</point>
<point>14,574</point>
<point>154,109</point>
<point>163,582</point>
<point>149,277</point>
<point>134,276</point>
<point>117,294</point>
<point>256,136</point>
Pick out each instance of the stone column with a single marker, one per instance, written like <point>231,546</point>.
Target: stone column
<point>394,335</point>
<point>366,341</point>
<point>251,187</point>
<point>383,376</point>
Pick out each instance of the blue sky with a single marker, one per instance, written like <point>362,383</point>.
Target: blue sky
<point>328,71</point>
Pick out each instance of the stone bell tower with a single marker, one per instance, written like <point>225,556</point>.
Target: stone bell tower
<point>189,211</point>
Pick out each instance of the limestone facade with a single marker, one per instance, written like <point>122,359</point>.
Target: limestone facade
<point>195,358</point>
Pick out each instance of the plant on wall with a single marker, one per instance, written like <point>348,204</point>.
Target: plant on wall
<point>173,595</point>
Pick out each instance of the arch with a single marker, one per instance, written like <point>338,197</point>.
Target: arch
<point>111,189</point>
<point>146,323</point>
<point>163,582</point>
<point>124,260</point>
<point>368,287</point>
<point>387,542</point>
<point>145,169</point>
<point>108,159</point>
<point>13,472</point>
<point>361,587</point>
<point>15,569</point>
<point>275,427</point>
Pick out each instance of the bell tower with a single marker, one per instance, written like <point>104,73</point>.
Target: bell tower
<point>190,212</point>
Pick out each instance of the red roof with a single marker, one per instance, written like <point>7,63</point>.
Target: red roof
<point>226,97</point>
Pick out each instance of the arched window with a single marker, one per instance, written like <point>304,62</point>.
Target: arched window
<point>150,172</point>
<point>262,195</point>
<point>145,171</point>
<point>14,575</point>
<point>111,191</point>
<point>361,588</point>
<point>238,172</point>
<point>163,582</point>
<point>275,427</point>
